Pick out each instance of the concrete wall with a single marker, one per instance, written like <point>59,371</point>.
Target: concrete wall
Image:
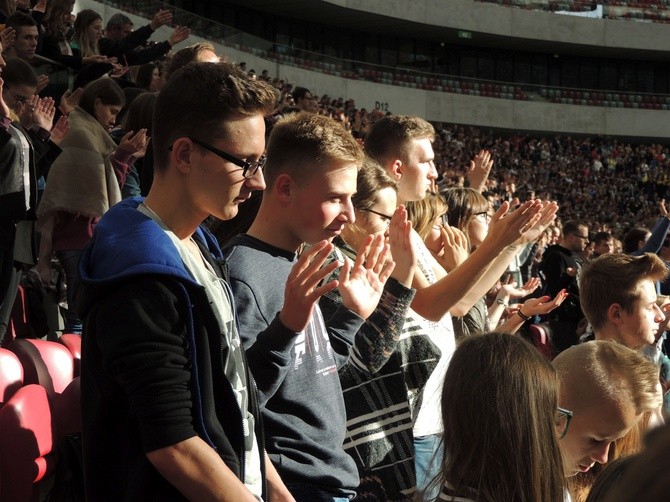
<point>446,107</point>
<point>514,22</point>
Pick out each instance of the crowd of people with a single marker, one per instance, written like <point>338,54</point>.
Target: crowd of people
<point>284,297</point>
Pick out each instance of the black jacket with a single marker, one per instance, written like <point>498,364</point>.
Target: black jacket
<point>152,360</point>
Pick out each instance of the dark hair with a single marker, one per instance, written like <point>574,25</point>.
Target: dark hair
<point>145,75</point>
<point>633,237</point>
<point>18,72</point>
<point>299,93</point>
<point>104,89</point>
<point>19,20</point>
<point>608,480</point>
<point>83,20</point>
<point>197,101</point>
<point>140,113</point>
<point>601,237</point>
<point>499,402</point>
<point>118,19</point>
<point>53,18</point>
<point>572,227</point>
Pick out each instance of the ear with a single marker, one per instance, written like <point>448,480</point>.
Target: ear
<point>181,155</point>
<point>397,169</point>
<point>284,189</point>
<point>614,313</point>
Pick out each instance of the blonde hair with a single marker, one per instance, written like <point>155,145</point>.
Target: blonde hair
<point>422,213</point>
<point>303,143</point>
<point>390,137</point>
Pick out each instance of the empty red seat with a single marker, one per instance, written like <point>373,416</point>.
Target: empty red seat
<point>26,444</point>
<point>73,343</point>
<point>46,363</point>
<point>11,375</point>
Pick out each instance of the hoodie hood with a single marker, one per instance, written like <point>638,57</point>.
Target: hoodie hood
<point>127,243</point>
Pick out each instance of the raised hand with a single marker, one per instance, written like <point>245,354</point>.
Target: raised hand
<point>402,247</point>
<point>60,129</point>
<point>69,100</point>
<point>4,109</point>
<point>26,110</point>
<point>43,113</point>
<point>547,217</point>
<point>42,82</point>
<point>542,305</point>
<point>510,289</point>
<point>161,18</point>
<point>362,283</point>
<point>179,34</point>
<point>135,143</point>
<point>7,37</point>
<point>454,248</point>
<point>507,227</point>
<point>302,289</point>
<point>479,170</point>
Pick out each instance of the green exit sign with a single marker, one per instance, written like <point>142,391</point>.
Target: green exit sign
<point>464,34</point>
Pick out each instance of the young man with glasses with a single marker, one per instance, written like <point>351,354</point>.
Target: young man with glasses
<point>604,390</point>
<point>166,391</point>
<point>560,268</point>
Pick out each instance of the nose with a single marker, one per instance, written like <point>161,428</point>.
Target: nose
<point>348,211</point>
<point>432,174</point>
<point>600,453</point>
<point>660,316</point>
<point>257,181</point>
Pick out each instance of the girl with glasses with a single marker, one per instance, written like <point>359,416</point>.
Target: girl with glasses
<point>373,380</point>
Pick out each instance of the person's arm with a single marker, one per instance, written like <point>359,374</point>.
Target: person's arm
<point>130,146</point>
<point>277,491</point>
<point>144,353</point>
<point>269,342</point>
<point>658,233</point>
<point>434,301</point>
<point>531,308</point>
<point>198,472</point>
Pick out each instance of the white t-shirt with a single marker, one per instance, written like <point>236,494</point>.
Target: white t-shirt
<point>220,296</point>
<point>441,333</point>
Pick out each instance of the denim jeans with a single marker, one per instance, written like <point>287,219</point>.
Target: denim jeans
<point>304,493</point>
<point>69,260</point>
<point>427,461</point>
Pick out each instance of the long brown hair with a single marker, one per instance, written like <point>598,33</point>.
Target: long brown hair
<point>464,204</point>
<point>499,403</point>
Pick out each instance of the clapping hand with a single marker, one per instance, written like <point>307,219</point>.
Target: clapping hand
<point>361,284</point>
<point>402,247</point>
<point>302,289</point>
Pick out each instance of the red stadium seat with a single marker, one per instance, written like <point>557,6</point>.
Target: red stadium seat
<point>73,344</point>
<point>46,363</point>
<point>11,375</point>
<point>26,444</point>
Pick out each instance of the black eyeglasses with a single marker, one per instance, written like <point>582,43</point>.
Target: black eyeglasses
<point>385,217</point>
<point>485,214</point>
<point>563,418</point>
<point>20,99</point>
<point>249,169</point>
